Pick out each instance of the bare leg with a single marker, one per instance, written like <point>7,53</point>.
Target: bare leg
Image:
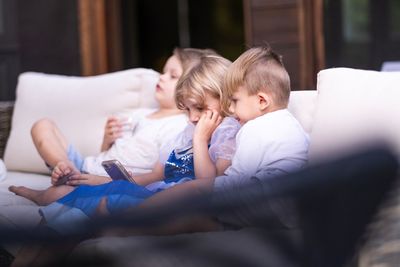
<point>42,197</point>
<point>52,147</point>
<point>49,142</point>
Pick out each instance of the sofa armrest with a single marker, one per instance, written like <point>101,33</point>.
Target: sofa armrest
<point>6,110</point>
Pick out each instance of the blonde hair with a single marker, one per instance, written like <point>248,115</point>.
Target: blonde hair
<point>191,56</point>
<point>259,69</point>
<point>205,77</point>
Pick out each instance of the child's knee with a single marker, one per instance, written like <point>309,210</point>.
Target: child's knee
<point>42,125</point>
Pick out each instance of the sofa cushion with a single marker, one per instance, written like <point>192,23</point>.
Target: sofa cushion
<point>302,106</point>
<point>355,108</point>
<point>79,106</point>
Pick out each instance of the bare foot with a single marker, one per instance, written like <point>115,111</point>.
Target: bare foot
<point>31,194</point>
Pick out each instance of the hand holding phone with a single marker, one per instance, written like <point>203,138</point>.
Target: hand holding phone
<point>63,179</point>
<point>116,170</point>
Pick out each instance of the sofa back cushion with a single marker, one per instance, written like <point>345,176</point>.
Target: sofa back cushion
<point>302,105</point>
<point>355,108</point>
<point>79,106</point>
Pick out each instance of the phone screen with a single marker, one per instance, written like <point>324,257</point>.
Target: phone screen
<point>117,171</point>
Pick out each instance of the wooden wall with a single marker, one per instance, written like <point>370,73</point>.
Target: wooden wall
<point>294,29</point>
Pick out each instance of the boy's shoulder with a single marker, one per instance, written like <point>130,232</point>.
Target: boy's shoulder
<point>274,117</point>
<point>274,124</point>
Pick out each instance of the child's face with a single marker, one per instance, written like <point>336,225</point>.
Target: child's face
<point>196,110</point>
<point>165,89</point>
<point>245,107</point>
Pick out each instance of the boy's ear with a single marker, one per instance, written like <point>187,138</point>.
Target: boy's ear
<point>264,100</point>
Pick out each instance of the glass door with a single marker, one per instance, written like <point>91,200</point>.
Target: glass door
<point>9,57</point>
<point>361,33</point>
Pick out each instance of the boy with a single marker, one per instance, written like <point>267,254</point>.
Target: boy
<point>270,143</point>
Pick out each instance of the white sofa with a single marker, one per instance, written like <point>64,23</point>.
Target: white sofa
<point>350,108</point>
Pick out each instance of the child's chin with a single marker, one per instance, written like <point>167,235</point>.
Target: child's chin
<point>241,122</point>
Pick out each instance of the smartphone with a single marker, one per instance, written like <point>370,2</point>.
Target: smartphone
<point>117,171</point>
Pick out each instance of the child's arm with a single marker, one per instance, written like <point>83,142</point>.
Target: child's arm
<point>88,179</point>
<point>112,131</point>
<point>157,174</point>
<point>221,165</point>
<point>204,168</point>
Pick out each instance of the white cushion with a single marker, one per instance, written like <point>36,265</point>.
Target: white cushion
<point>17,211</point>
<point>355,108</point>
<point>302,106</point>
<point>3,170</point>
<point>79,106</point>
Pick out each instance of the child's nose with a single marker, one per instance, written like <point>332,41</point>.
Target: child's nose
<point>194,117</point>
<point>162,76</point>
<point>231,108</point>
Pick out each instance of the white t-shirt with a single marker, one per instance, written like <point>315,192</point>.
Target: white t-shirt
<point>139,152</point>
<point>270,145</point>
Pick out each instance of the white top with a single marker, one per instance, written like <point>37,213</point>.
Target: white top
<point>139,152</point>
<point>270,145</point>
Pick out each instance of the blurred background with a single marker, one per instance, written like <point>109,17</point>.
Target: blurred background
<point>90,37</point>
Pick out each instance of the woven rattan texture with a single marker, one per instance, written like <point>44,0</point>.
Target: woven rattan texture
<point>6,110</point>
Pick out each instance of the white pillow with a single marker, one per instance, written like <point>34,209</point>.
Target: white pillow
<point>79,106</point>
<point>302,106</point>
<point>355,108</point>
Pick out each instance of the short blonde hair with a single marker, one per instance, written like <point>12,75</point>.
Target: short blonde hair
<point>259,69</point>
<point>205,77</point>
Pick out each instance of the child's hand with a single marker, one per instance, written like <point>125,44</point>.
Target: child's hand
<point>88,179</point>
<point>206,125</point>
<point>63,169</point>
<point>112,131</point>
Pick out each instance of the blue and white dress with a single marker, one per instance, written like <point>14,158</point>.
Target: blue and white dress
<point>80,205</point>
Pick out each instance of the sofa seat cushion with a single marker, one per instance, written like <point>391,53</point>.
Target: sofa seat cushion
<point>15,211</point>
<point>34,181</point>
